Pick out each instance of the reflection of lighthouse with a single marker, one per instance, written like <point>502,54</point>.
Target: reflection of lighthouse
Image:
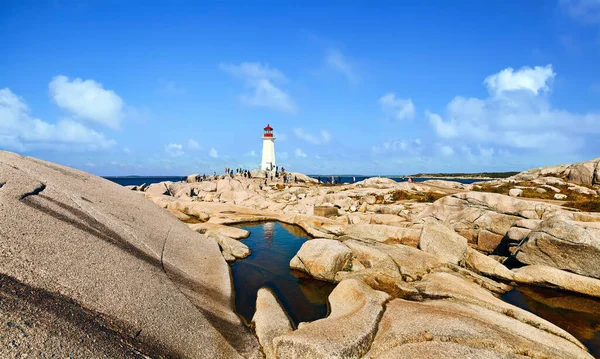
<point>268,153</point>
<point>269,230</point>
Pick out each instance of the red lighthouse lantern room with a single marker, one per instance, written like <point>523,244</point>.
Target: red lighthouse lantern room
<point>268,131</point>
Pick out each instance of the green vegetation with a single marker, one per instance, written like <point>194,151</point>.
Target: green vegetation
<point>586,205</point>
<point>576,200</point>
<point>411,196</point>
<point>348,266</point>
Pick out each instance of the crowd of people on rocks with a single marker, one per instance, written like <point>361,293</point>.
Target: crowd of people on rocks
<point>278,174</point>
<point>243,172</point>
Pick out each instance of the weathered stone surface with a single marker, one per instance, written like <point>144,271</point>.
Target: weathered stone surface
<point>550,277</point>
<point>206,186</point>
<point>527,223</point>
<point>181,216</point>
<point>377,182</point>
<point>448,184</point>
<point>469,327</point>
<point>228,257</point>
<point>489,267</point>
<point>230,245</point>
<point>560,197</point>
<point>517,234</point>
<point>270,320</point>
<point>585,173</point>
<point>488,241</point>
<point>118,256</point>
<point>563,244</point>
<point>515,192</point>
<point>494,222</point>
<point>369,199</point>
<point>322,258</point>
<point>442,242</point>
<point>582,190</point>
<point>346,333</point>
<point>384,280</point>
<point>231,232</point>
<point>157,189</point>
<point>193,178</point>
<point>428,348</point>
<point>325,211</point>
<point>471,213</point>
<point>412,262</point>
<point>367,255</point>
<point>383,234</point>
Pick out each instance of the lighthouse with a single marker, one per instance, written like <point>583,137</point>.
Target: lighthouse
<point>268,153</point>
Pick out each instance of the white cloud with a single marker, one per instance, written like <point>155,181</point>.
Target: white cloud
<point>482,155</point>
<point>126,150</point>
<point>323,137</point>
<point>517,114</point>
<point>261,79</point>
<point>282,155</point>
<point>20,132</point>
<point>174,149</point>
<point>251,154</point>
<point>443,129</point>
<point>587,11</point>
<point>213,153</point>
<point>280,136</point>
<point>91,164</point>
<point>299,153</point>
<point>87,100</point>
<point>266,94</point>
<point>337,61</point>
<point>534,79</point>
<point>193,145</point>
<point>410,146</point>
<point>253,70</point>
<point>446,150</point>
<point>398,108</point>
<point>170,88</point>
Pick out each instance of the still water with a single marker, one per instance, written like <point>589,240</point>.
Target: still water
<point>273,245</point>
<point>578,315</point>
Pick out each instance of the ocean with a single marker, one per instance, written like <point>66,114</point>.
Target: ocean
<point>136,181</point>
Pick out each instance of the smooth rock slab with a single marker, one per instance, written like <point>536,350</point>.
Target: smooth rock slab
<point>322,258</point>
<point>442,242</point>
<point>549,277</point>
<point>470,326</point>
<point>231,232</point>
<point>441,350</point>
<point>270,320</point>
<point>229,245</point>
<point>346,333</point>
<point>116,254</point>
<point>487,266</point>
<point>515,192</point>
<point>563,244</point>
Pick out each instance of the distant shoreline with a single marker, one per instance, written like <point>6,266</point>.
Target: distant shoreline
<point>482,176</point>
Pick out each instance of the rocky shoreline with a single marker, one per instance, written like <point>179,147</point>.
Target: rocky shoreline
<point>419,267</point>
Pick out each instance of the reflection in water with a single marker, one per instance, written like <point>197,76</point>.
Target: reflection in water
<point>273,245</point>
<point>269,231</point>
<point>578,315</point>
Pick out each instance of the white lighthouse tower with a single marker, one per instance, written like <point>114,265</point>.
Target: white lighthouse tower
<point>268,154</point>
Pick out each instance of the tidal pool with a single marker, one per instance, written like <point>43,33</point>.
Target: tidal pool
<point>578,315</point>
<point>273,245</point>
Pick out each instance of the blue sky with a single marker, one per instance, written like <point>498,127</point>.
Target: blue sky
<point>368,87</point>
